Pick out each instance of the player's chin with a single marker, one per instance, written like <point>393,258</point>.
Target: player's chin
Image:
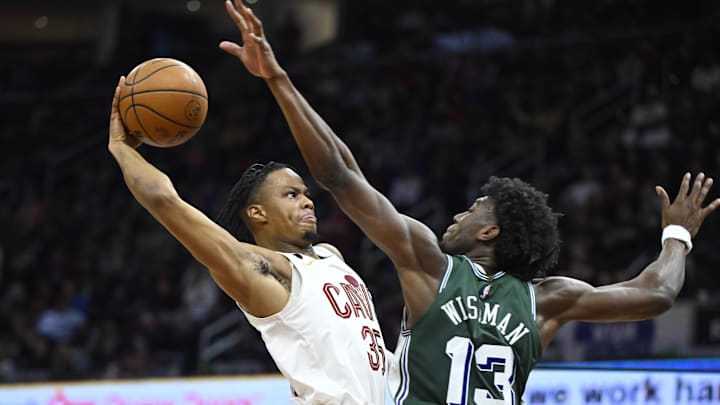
<point>446,245</point>
<point>311,236</point>
<point>444,238</point>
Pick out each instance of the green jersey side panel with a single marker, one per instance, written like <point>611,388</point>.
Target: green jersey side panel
<point>476,344</point>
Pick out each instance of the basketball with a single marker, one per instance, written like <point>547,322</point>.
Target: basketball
<point>163,102</point>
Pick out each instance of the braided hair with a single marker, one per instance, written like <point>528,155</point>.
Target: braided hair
<point>245,192</point>
<point>529,242</point>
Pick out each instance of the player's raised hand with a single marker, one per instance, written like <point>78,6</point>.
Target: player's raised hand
<point>255,51</point>
<point>118,133</point>
<point>687,210</point>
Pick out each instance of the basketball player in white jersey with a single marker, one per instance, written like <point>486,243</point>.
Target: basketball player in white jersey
<point>314,312</point>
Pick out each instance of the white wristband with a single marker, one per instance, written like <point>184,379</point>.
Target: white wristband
<point>677,232</point>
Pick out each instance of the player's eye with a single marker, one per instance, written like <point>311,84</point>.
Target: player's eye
<point>292,194</point>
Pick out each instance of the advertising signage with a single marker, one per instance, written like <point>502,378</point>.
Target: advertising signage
<point>547,386</point>
<point>619,387</point>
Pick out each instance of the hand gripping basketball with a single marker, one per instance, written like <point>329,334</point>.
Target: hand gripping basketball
<point>163,102</point>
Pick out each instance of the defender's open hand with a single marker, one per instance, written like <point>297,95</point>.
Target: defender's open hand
<point>687,210</point>
<point>255,52</point>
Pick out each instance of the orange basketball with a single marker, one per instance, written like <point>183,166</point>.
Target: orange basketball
<point>164,102</point>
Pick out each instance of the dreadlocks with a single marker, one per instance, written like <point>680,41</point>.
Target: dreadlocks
<point>232,215</point>
<point>529,241</point>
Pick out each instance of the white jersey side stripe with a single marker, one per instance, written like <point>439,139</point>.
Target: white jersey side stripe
<point>532,299</point>
<point>448,270</point>
<point>404,390</point>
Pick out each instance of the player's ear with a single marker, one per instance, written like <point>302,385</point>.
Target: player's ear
<point>488,232</point>
<point>256,213</point>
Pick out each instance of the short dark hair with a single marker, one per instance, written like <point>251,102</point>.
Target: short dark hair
<point>529,241</point>
<point>245,192</point>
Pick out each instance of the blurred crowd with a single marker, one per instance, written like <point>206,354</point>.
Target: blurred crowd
<point>92,287</point>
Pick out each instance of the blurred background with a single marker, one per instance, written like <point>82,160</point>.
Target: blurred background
<point>594,102</point>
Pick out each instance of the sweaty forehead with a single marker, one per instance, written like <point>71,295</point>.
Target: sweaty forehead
<point>482,201</point>
<point>283,178</point>
<point>483,206</point>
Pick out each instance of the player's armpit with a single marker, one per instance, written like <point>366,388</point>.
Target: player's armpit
<point>257,278</point>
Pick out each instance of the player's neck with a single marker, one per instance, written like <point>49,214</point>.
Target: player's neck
<point>487,262</point>
<point>285,247</point>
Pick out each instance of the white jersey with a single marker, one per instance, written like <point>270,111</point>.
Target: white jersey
<point>327,340</point>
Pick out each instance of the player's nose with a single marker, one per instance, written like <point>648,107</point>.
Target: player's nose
<point>308,203</point>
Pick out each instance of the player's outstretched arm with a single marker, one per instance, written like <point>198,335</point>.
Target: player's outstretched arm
<point>247,273</point>
<point>331,163</point>
<point>654,290</point>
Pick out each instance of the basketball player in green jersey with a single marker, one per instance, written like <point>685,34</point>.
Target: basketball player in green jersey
<point>474,323</point>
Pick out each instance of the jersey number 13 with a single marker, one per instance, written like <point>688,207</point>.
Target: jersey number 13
<point>461,352</point>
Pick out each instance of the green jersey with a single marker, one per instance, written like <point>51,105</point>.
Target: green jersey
<point>476,344</point>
